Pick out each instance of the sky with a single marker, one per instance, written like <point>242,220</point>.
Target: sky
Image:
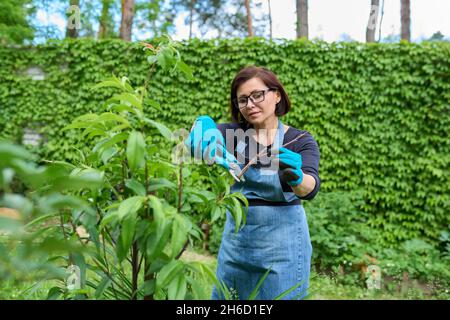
<point>332,20</point>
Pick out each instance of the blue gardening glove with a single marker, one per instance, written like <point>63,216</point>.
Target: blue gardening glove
<point>290,166</point>
<point>206,142</point>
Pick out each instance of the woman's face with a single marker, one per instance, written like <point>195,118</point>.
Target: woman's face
<point>257,112</point>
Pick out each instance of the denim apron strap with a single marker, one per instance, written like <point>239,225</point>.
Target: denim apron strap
<point>260,182</point>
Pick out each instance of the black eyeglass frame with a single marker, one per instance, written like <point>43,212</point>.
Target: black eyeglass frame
<point>236,103</point>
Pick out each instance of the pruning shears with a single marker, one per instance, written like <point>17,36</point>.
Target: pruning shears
<point>235,170</point>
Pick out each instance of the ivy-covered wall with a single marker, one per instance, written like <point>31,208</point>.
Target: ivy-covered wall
<point>380,112</point>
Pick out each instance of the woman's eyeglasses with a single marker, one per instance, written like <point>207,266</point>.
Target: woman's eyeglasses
<point>255,96</point>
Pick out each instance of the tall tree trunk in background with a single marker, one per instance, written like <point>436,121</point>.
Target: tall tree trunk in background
<point>104,19</point>
<point>127,19</point>
<point>270,19</point>
<point>191,17</point>
<point>249,18</point>
<point>405,12</point>
<point>381,21</point>
<point>373,19</point>
<point>71,30</point>
<point>302,18</point>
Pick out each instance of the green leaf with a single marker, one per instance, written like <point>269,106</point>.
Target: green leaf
<point>136,150</point>
<point>126,235</point>
<point>110,218</point>
<point>165,132</point>
<point>183,67</point>
<point>161,183</point>
<point>158,211</point>
<point>158,239</point>
<point>154,104</point>
<point>109,116</point>
<point>54,293</point>
<point>168,273</point>
<point>8,152</point>
<point>130,98</point>
<point>108,142</point>
<point>130,206</point>
<point>148,287</point>
<point>285,293</point>
<point>135,186</point>
<point>56,201</point>
<point>216,213</point>
<point>102,286</point>
<point>237,213</point>
<point>79,179</point>
<point>107,154</point>
<point>115,83</point>
<point>179,235</point>
<point>255,290</point>
<point>177,288</point>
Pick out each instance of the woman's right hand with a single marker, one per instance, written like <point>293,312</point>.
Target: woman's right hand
<point>206,142</point>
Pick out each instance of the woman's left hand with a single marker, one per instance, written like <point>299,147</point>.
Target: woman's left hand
<point>290,166</point>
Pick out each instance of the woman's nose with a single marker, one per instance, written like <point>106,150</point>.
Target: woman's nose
<point>250,100</point>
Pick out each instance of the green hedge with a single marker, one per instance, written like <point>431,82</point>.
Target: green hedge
<point>380,112</point>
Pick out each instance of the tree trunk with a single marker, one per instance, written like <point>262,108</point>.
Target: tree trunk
<point>127,19</point>
<point>104,19</point>
<point>373,19</point>
<point>405,12</point>
<point>249,18</point>
<point>302,18</point>
<point>72,27</point>
<point>270,19</point>
<point>191,16</point>
<point>381,21</point>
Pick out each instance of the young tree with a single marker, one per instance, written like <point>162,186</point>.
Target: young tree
<point>249,18</point>
<point>405,12</point>
<point>373,19</point>
<point>127,19</point>
<point>302,18</point>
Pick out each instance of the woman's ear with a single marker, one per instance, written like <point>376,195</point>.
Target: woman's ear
<point>278,96</point>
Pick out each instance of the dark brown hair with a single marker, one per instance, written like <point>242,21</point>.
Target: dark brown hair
<point>269,79</point>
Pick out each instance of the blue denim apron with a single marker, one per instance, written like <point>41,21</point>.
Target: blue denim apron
<point>275,237</point>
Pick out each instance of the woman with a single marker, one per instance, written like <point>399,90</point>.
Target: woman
<point>275,236</point>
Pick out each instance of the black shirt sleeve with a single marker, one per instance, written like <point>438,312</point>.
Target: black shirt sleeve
<point>309,150</point>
